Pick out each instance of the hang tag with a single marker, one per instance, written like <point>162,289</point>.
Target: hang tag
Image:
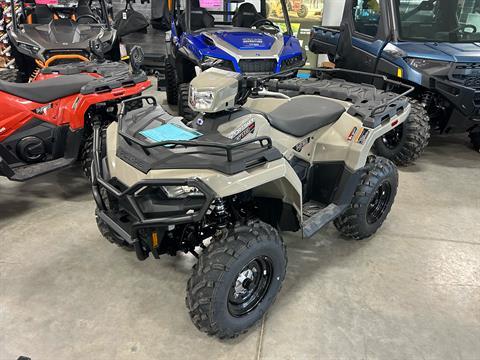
<point>124,15</point>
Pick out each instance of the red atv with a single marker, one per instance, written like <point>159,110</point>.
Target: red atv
<point>46,125</point>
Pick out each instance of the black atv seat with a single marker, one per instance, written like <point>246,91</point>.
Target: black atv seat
<point>45,91</point>
<point>304,114</point>
<point>246,15</point>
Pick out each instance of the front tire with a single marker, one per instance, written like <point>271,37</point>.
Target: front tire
<point>236,280</point>
<point>184,109</point>
<point>171,84</point>
<point>372,201</point>
<point>110,235</point>
<point>475,139</point>
<point>404,144</point>
<point>10,75</point>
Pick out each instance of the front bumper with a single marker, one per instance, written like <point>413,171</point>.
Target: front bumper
<point>128,218</point>
<point>466,99</point>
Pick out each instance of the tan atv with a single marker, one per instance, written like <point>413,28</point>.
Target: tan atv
<point>255,164</point>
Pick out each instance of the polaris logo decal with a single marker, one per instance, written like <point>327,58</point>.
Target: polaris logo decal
<point>246,128</point>
<point>252,42</point>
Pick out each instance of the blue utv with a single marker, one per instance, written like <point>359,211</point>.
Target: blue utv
<point>233,35</point>
<point>433,45</point>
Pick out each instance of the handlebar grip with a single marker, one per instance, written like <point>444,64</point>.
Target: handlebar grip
<point>276,85</point>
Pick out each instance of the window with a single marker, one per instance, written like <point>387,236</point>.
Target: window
<point>439,20</point>
<point>366,16</point>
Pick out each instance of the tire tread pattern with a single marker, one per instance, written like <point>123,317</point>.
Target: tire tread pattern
<point>207,273</point>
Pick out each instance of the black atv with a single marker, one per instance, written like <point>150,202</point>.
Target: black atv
<point>46,35</point>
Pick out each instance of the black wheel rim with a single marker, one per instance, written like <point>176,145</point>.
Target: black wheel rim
<point>393,138</point>
<point>250,286</point>
<point>379,203</point>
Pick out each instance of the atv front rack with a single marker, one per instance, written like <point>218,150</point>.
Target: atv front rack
<point>211,151</point>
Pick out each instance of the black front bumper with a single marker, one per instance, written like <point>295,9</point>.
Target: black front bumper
<point>129,203</point>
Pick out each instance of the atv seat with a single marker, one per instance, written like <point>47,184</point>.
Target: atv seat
<point>303,114</point>
<point>246,15</point>
<point>48,90</point>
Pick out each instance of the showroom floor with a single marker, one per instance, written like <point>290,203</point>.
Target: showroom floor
<point>411,292</point>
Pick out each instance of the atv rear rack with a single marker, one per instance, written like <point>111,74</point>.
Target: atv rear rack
<point>372,105</point>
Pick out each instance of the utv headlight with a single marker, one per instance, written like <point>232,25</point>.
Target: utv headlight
<point>181,192</point>
<point>424,65</point>
<point>27,47</point>
<point>201,100</point>
<point>209,62</point>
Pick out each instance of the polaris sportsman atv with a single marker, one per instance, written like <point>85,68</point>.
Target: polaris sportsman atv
<point>47,35</point>
<point>248,169</point>
<point>236,36</point>
<point>46,125</point>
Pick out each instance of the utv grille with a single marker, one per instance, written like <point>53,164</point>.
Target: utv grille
<point>254,66</point>
<point>467,74</point>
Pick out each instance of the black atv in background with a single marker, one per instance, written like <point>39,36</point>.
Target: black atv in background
<point>46,35</point>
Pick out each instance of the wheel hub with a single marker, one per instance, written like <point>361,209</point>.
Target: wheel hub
<point>250,286</point>
<point>379,203</point>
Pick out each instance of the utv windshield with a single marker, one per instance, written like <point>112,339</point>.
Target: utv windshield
<point>439,20</point>
<point>207,14</point>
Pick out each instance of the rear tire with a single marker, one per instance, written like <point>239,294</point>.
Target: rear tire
<point>110,235</point>
<point>184,109</point>
<point>475,139</point>
<point>11,75</point>
<point>236,280</point>
<point>171,84</point>
<point>372,200</point>
<point>404,144</point>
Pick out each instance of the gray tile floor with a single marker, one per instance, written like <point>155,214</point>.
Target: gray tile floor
<point>411,292</point>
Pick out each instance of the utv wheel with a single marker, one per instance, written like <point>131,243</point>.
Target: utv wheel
<point>110,235</point>
<point>372,200</point>
<point>404,144</point>
<point>475,139</point>
<point>11,75</point>
<point>236,280</point>
<point>171,84</point>
<point>303,12</point>
<point>184,109</point>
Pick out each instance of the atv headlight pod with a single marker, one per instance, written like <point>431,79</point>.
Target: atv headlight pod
<point>201,100</point>
<point>424,64</point>
<point>182,192</point>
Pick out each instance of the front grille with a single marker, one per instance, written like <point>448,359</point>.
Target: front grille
<point>467,74</point>
<point>254,66</point>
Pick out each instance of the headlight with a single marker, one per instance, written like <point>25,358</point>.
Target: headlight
<point>423,64</point>
<point>209,62</point>
<point>200,100</point>
<point>181,192</point>
<point>27,47</point>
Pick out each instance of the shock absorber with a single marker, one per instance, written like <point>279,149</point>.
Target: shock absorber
<point>428,100</point>
<point>220,212</point>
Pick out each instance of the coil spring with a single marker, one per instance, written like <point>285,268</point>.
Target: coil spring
<point>34,74</point>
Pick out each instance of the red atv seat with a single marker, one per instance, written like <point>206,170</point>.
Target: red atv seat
<point>48,90</point>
